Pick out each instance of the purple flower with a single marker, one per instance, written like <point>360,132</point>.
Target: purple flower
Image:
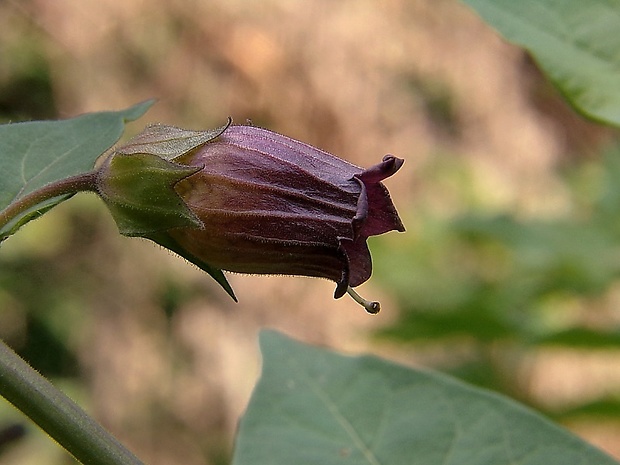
<point>248,200</point>
<point>273,205</point>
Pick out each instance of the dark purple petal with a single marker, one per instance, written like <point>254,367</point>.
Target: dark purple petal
<point>274,205</point>
<point>360,262</point>
<point>305,157</point>
<point>377,173</point>
<point>382,215</point>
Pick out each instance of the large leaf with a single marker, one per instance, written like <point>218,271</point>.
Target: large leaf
<point>312,406</point>
<point>575,42</point>
<point>37,153</point>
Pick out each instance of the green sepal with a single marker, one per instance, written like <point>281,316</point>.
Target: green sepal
<point>169,142</point>
<point>164,239</point>
<point>139,192</point>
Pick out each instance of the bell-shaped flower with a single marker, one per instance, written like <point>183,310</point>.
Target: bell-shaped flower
<point>263,203</point>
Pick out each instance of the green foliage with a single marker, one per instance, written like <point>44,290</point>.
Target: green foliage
<point>499,286</point>
<point>575,42</point>
<point>38,153</point>
<point>314,406</point>
<point>496,285</point>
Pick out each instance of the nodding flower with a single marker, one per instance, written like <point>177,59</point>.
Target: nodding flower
<point>268,204</point>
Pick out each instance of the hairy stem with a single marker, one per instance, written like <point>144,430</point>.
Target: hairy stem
<point>68,186</point>
<point>58,415</point>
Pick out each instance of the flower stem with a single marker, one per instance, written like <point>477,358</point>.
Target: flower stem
<point>58,415</point>
<point>68,186</point>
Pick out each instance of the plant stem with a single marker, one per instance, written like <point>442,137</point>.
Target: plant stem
<point>68,186</point>
<point>58,415</point>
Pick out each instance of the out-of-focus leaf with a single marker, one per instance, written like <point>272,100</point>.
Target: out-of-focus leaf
<point>606,407</point>
<point>583,337</point>
<point>570,255</point>
<point>312,406</point>
<point>426,326</point>
<point>575,42</point>
<point>37,153</point>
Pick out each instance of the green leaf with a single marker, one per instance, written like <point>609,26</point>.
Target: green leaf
<point>601,409</point>
<point>575,42</point>
<point>469,320</point>
<point>37,153</point>
<point>30,214</point>
<point>608,338</point>
<point>312,406</point>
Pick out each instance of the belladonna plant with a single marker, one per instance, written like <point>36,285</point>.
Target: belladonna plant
<point>248,200</point>
<point>236,198</point>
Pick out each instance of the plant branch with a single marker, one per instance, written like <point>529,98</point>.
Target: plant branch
<point>68,186</point>
<point>58,415</point>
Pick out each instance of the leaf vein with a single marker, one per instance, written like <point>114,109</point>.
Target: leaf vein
<point>344,423</point>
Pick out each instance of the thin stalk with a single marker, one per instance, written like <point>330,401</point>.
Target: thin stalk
<point>58,415</point>
<point>71,185</point>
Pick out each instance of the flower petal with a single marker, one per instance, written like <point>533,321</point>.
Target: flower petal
<point>382,215</point>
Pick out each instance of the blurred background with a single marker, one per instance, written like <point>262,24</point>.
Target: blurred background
<point>507,275</point>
